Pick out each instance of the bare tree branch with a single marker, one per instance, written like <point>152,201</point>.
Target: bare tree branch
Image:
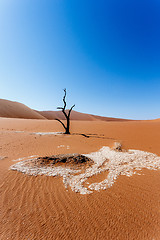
<point>67,127</point>
<point>70,110</point>
<point>61,123</point>
<point>64,113</point>
<point>64,107</point>
<point>64,99</point>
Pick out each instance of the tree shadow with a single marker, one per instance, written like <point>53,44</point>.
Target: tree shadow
<point>93,135</point>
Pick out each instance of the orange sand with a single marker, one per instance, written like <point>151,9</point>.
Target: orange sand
<point>40,208</point>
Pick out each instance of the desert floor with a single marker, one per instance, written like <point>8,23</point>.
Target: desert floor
<point>40,208</point>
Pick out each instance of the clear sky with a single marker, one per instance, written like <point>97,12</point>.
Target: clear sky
<point>106,53</point>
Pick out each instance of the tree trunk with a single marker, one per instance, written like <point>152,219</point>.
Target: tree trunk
<point>68,126</point>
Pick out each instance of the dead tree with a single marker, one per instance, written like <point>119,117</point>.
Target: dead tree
<point>67,116</point>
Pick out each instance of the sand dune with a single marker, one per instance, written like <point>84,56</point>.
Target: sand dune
<point>10,109</point>
<point>156,120</point>
<point>41,208</point>
<point>51,115</point>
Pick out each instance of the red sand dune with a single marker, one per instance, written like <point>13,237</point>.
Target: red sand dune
<point>156,120</point>
<point>10,109</point>
<point>51,115</point>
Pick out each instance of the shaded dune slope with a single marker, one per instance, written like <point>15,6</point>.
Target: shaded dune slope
<point>10,109</point>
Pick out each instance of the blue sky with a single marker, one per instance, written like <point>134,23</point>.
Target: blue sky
<point>106,53</point>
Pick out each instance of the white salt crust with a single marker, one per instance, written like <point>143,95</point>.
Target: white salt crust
<point>113,162</point>
<point>2,158</point>
<point>37,133</point>
<point>25,158</point>
<point>63,146</point>
<point>47,133</point>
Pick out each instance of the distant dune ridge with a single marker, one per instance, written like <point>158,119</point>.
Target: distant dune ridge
<point>51,115</point>
<point>10,109</point>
